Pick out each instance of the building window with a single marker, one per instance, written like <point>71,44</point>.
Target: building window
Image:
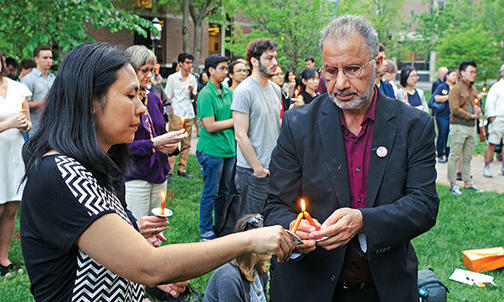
<point>214,39</point>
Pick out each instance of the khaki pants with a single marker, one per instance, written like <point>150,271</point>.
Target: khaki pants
<point>174,125</point>
<point>462,142</point>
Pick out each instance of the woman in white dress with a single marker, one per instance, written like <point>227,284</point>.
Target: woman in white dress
<point>14,118</point>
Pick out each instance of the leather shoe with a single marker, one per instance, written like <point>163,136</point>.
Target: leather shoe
<point>184,174</point>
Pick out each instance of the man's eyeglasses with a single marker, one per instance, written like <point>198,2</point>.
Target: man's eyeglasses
<point>221,68</point>
<point>351,71</point>
<point>253,222</point>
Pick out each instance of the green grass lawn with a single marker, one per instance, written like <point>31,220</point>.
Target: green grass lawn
<point>464,222</point>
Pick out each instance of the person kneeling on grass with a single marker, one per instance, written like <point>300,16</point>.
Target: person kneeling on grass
<point>79,240</point>
<point>245,277</point>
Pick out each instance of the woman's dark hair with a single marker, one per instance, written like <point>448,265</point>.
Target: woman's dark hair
<point>201,77</point>
<point>405,72</point>
<point>287,73</point>
<point>27,64</point>
<point>449,71</point>
<point>68,123</point>
<point>3,72</point>
<point>307,74</point>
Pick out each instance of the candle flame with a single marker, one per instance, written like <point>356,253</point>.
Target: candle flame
<point>162,194</point>
<point>303,205</point>
<point>484,88</point>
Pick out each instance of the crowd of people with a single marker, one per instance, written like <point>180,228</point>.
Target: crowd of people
<point>98,142</point>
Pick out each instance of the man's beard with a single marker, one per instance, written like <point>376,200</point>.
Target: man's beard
<point>264,70</point>
<point>360,100</point>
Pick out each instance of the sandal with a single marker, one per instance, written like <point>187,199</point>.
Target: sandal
<point>11,268</point>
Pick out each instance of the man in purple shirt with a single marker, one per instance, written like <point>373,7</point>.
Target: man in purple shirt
<point>365,164</point>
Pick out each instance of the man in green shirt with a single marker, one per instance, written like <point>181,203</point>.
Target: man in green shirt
<point>216,146</point>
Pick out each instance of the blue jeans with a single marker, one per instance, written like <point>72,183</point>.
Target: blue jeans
<point>217,177</point>
<point>253,191</point>
<point>443,124</point>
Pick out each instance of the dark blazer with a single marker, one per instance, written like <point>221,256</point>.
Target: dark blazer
<point>401,200</point>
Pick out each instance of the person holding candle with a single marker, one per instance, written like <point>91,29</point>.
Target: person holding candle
<point>464,114</point>
<point>14,120</point>
<point>244,278</point>
<point>365,166</point>
<point>79,240</point>
<point>182,88</point>
<point>152,143</point>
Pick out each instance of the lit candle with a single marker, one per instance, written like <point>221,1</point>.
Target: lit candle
<point>484,89</point>
<point>310,220</point>
<point>296,92</point>
<point>476,101</point>
<point>307,215</point>
<point>298,221</point>
<point>182,123</point>
<point>163,202</point>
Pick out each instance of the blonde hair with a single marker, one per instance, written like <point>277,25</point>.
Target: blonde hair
<point>249,262</point>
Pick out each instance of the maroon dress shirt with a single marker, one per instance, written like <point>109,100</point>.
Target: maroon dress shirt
<point>358,151</point>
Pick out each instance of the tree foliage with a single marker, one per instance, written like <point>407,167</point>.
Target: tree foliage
<point>294,24</point>
<point>467,29</point>
<point>27,24</point>
<point>473,44</point>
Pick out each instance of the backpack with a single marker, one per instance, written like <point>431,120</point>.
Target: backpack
<point>430,289</point>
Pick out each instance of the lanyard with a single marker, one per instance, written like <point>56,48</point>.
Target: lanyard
<point>144,99</point>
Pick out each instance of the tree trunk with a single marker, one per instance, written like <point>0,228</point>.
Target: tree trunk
<point>185,27</point>
<point>197,43</point>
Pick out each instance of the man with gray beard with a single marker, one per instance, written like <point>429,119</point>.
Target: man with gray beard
<point>365,165</point>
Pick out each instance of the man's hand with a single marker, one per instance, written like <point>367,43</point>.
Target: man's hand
<point>261,172</point>
<point>491,119</point>
<point>340,227</point>
<point>303,232</point>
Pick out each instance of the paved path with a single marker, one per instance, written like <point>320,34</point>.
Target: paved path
<point>494,184</point>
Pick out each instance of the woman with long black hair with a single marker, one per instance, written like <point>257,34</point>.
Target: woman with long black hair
<point>79,240</point>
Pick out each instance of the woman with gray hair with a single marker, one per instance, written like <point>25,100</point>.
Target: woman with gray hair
<point>152,142</point>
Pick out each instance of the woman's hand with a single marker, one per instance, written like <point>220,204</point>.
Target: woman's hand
<point>174,289</point>
<point>272,240</point>
<point>18,121</point>
<point>171,137</point>
<point>168,148</point>
<point>151,225</point>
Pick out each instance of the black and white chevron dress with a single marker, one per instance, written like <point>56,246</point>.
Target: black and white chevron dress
<point>61,199</point>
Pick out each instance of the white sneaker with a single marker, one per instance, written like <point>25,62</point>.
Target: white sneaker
<point>455,190</point>
<point>487,173</point>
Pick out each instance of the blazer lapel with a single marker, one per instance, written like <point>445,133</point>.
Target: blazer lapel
<point>384,135</point>
<point>329,129</point>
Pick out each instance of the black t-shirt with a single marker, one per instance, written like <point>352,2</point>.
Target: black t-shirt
<point>60,201</point>
<point>308,98</point>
